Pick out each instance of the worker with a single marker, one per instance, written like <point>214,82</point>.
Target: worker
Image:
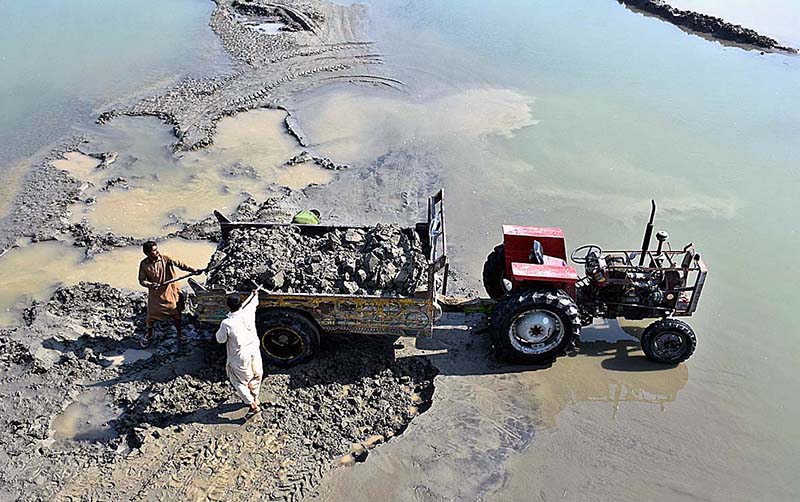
<point>238,332</point>
<point>163,301</point>
<point>307,217</point>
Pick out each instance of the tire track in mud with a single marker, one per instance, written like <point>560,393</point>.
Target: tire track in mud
<point>271,67</point>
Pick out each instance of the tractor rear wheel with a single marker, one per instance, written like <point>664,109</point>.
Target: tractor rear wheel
<point>668,341</point>
<point>287,337</point>
<point>495,281</point>
<point>534,326</point>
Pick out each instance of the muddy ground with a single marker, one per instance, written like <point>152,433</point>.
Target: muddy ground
<point>86,414</point>
<point>173,429</point>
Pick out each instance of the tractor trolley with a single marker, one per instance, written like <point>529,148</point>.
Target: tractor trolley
<point>290,324</point>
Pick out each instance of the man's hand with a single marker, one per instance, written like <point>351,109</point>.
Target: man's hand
<point>198,271</point>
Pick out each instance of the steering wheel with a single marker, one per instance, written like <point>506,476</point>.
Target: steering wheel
<point>589,249</point>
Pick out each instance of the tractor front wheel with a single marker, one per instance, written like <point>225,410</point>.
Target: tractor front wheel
<point>494,274</point>
<point>287,337</point>
<point>535,326</point>
<point>668,341</point>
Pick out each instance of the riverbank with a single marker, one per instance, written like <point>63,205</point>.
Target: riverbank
<point>88,414</point>
<point>707,26</point>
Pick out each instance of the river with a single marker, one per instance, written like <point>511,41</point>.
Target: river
<point>570,114</point>
<point>575,114</point>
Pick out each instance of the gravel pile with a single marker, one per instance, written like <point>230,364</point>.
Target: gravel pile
<point>384,260</point>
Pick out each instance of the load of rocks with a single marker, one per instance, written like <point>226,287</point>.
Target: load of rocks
<point>384,260</point>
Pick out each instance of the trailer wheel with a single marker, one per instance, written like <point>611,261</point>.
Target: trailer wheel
<point>535,326</point>
<point>495,281</point>
<point>287,338</point>
<point>668,341</point>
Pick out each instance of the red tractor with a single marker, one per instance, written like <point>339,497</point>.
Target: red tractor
<point>542,303</point>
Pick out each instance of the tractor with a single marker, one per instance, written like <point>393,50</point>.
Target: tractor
<point>542,303</point>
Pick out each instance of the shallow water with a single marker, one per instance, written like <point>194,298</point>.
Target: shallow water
<point>619,108</point>
<point>35,270</point>
<point>87,418</point>
<point>130,356</point>
<point>246,159</point>
<point>63,61</point>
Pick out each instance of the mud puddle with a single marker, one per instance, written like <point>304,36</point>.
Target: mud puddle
<point>88,418</point>
<point>148,188</point>
<point>34,270</point>
<point>130,356</point>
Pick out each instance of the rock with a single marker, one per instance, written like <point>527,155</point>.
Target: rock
<point>353,236</point>
<point>374,440</point>
<point>286,259</point>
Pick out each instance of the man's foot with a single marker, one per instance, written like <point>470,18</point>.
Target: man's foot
<point>146,340</point>
<point>254,409</point>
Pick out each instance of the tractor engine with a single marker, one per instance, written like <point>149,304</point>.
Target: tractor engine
<point>611,289</point>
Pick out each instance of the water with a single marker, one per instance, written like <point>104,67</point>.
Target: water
<point>65,62</point>
<point>566,113</point>
<point>162,185</point>
<point>33,271</point>
<point>609,109</point>
<point>88,418</point>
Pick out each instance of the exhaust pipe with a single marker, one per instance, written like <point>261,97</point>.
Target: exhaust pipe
<point>648,233</point>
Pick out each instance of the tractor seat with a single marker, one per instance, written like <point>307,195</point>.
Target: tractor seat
<point>537,257</point>
<point>554,262</point>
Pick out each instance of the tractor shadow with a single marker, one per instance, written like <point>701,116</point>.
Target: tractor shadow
<point>462,345</point>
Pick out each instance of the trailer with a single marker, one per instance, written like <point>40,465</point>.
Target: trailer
<point>290,325</point>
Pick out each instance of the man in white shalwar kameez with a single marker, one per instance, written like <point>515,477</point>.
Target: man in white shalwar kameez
<point>238,332</point>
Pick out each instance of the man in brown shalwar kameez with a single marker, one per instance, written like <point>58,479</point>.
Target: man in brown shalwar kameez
<point>163,302</point>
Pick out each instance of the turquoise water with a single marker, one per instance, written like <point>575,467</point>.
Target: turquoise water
<point>628,107</point>
<point>62,61</point>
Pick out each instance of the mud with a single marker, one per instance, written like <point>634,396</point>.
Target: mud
<point>319,45</point>
<point>703,24</point>
<point>85,415</point>
<point>170,426</point>
<point>384,260</point>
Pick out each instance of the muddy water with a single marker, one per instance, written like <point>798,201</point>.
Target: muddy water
<point>11,182</point>
<point>87,418</point>
<point>35,270</point>
<point>246,159</point>
<point>620,108</point>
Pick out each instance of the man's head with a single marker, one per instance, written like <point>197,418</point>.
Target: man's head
<point>150,249</point>
<point>234,302</point>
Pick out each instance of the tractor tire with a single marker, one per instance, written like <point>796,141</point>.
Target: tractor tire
<point>535,326</point>
<point>287,337</point>
<point>668,341</point>
<point>494,274</point>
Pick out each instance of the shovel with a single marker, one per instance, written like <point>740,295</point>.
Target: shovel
<point>196,272</point>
